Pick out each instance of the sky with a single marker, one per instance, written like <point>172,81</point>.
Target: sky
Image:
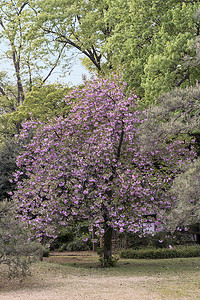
<point>73,77</point>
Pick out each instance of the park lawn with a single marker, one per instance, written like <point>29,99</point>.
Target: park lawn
<point>78,276</point>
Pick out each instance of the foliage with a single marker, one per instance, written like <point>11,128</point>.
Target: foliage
<point>186,187</point>
<point>42,102</point>
<point>29,57</point>
<point>65,236</point>
<point>29,61</point>
<point>8,153</point>
<point>77,25</point>
<point>17,249</point>
<point>158,253</point>
<point>73,238</point>
<point>177,116</point>
<point>89,166</point>
<point>152,40</point>
<point>161,239</point>
<point>155,44</point>
<point>77,245</point>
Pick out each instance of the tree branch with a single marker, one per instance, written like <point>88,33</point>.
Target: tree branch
<point>120,141</point>
<point>187,75</point>
<point>63,39</point>
<point>2,91</point>
<point>22,7</point>
<point>55,65</point>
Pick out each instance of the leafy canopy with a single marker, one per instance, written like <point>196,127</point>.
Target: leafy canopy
<point>90,166</point>
<point>151,41</point>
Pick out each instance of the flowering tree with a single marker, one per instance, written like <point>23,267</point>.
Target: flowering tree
<point>89,166</point>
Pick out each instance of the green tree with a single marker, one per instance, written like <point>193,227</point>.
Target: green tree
<point>178,116</point>
<point>29,57</point>
<point>186,188</point>
<point>8,153</point>
<point>32,60</point>
<point>78,25</point>
<point>41,103</point>
<point>151,40</point>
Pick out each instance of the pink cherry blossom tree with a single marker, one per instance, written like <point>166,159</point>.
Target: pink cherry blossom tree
<point>90,166</point>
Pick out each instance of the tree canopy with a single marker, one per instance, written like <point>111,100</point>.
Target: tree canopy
<point>177,117</point>
<point>28,60</point>
<point>89,166</point>
<point>186,188</point>
<point>79,25</point>
<point>151,40</point>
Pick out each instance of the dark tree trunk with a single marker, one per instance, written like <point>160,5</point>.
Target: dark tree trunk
<point>107,243</point>
<point>41,253</point>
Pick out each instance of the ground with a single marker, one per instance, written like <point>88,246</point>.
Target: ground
<point>77,276</point>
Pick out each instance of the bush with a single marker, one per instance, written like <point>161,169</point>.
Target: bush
<point>73,238</point>
<point>77,245</point>
<point>65,236</point>
<point>17,249</point>
<point>46,253</point>
<point>159,253</point>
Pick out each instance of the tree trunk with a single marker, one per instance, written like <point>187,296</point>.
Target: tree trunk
<point>41,253</point>
<point>107,243</point>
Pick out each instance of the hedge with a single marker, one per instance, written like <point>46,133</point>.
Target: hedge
<point>158,253</point>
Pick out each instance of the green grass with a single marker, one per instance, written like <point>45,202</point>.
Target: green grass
<point>177,278</point>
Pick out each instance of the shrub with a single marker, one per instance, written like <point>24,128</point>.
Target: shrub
<point>17,249</point>
<point>46,253</point>
<point>159,253</point>
<point>64,237</point>
<point>73,238</point>
<point>77,245</point>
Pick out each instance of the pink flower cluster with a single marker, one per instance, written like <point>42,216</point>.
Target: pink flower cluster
<point>89,166</point>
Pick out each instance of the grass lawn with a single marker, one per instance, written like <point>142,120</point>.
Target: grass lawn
<point>78,276</point>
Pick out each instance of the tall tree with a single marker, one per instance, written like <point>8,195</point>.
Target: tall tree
<point>151,40</point>
<point>89,166</point>
<point>78,25</point>
<point>32,60</point>
<point>178,117</point>
<point>186,188</point>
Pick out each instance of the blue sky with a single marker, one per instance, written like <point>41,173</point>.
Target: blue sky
<point>74,77</point>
